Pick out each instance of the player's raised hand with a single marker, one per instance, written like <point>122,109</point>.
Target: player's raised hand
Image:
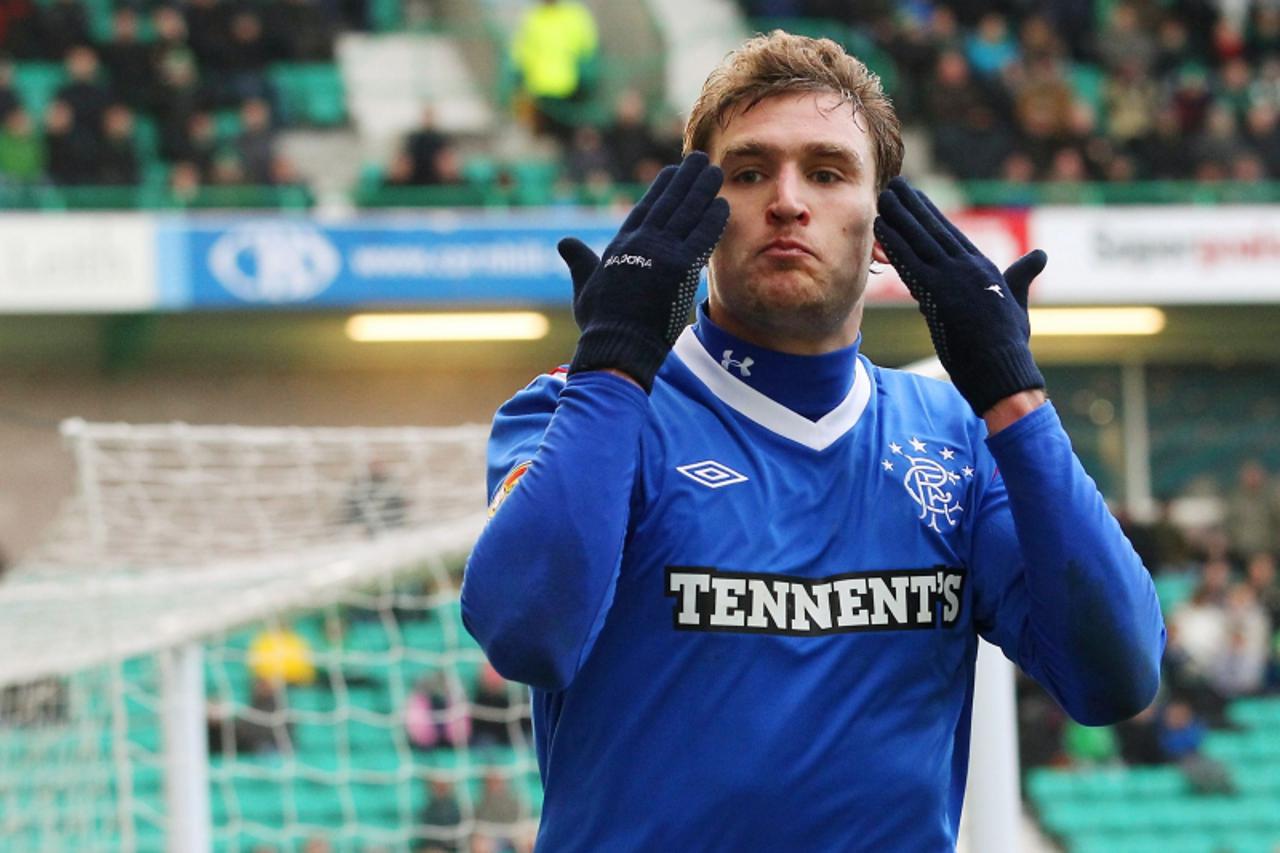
<point>977,317</point>
<point>633,303</point>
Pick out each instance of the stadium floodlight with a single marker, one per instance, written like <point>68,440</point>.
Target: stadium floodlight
<point>1130,320</point>
<point>455,326</point>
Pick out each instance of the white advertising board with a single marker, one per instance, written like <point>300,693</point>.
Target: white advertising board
<point>1157,255</point>
<point>77,262</point>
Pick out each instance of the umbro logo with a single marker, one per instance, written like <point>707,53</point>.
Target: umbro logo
<point>712,474</point>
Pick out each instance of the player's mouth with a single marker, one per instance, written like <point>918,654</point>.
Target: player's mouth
<point>786,248</point>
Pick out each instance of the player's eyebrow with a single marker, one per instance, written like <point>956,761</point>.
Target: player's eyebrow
<point>752,149</point>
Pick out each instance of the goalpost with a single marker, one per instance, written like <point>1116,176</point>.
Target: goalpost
<point>244,639</point>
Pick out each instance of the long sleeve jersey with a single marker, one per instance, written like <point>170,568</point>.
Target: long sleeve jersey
<point>747,629</point>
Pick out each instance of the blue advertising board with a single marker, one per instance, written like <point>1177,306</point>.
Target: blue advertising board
<point>383,261</point>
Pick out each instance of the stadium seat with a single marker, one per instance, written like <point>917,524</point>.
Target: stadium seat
<point>36,84</point>
<point>310,93</point>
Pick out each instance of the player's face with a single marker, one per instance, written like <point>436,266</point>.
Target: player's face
<point>792,266</point>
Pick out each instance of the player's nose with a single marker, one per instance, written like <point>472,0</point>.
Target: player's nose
<point>788,203</point>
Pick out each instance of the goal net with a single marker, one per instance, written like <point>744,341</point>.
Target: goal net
<point>247,639</point>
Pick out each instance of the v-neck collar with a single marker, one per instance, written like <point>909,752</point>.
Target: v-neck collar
<point>773,416</point>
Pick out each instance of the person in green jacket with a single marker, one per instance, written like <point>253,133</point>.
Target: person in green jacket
<point>555,41</point>
<point>21,150</point>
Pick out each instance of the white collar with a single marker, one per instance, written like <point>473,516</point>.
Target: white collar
<point>773,416</point>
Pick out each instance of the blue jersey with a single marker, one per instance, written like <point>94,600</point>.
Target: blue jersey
<point>747,629</point>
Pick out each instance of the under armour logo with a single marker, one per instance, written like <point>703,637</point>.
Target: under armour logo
<point>744,366</point>
<point>995,288</point>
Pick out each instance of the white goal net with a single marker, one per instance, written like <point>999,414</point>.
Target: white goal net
<point>249,639</point>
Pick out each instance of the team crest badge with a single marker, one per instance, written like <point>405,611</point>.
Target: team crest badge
<point>509,483</point>
<point>933,485</point>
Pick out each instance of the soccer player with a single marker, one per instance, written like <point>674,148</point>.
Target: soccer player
<point>743,568</point>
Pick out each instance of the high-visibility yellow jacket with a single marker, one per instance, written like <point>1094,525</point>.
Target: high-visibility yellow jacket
<point>552,42</point>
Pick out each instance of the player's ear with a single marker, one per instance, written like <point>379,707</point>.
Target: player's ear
<point>878,253</point>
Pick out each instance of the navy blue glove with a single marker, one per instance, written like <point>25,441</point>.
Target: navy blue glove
<point>633,305</point>
<point>977,317</point>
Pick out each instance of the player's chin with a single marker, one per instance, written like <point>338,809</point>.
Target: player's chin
<point>790,289</point>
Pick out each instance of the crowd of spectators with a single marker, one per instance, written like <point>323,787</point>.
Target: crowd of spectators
<point>195,73</point>
<point>1222,614</point>
<point>1070,91</point>
<point>1064,91</point>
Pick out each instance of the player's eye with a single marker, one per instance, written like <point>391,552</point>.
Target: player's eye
<point>748,176</point>
<point>825,176</point>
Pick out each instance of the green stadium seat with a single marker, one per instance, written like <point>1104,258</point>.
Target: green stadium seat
<point>1255,713</point>
<point>310,93</point>
<point>36,83</point>
<point>386,15</point>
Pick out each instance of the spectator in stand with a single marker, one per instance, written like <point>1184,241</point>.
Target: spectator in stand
<point>87,97</point>
<point>441,818</point>
<point>965,132</point>
<point>179,96</point>
<point>118,160</point>
<point>18,28</point>
<point>1130,99</point>
<point>1125,39</point>
<point>58,27</point>
<point>9,100</point>
<point>245,64</point>
<point>1191,98</point>
<point>1163,151</point>
<point>493,710</point>
<point>280,655</point>
<point>170,37</point>
<point>634,149</point>
<point>262,729</point>
<point>22,151</point>
<point>1140,739</point>
<point>587,157</point>
<point>375,500</point>
<point>226,170</point>
<point>71,152</point>
<point>1213,150</point>
<point>184,183</point>
<point>128,61</point>
<point>436,714</point>
<point>300,30</point>
<point>1044,105</point>
<point>1173,48</point>
<point>1181,734</point>
<point>553,44</point>
<point>1201,621</point>
<point>991,49</point>
<point>209,24</point>
<point>498,812</point>
<point>1260,574</point>
<point>199,145</point>
<point>421,149</point>
<point>1262,134</point>
<point>1262,39</point>
<point>256,144</point>
<point>1240,668</point>
<point>1252,520</point>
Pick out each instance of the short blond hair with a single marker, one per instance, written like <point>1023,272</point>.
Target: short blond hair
<point>781,63</point>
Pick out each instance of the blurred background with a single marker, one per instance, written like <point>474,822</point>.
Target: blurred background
<point>343,213</point>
